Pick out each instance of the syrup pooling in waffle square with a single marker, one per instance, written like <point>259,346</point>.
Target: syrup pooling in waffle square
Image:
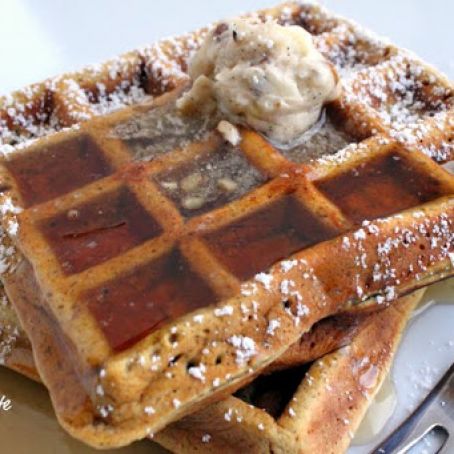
<point>98,230</point>
<point>61,167</point>
<point>255,241</point>
<point>392,176</point>
<point>130,307</point>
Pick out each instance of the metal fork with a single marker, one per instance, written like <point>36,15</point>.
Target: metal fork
<point>436,410</point>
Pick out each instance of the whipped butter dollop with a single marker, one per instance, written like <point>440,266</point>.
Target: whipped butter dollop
<point>263,75</point>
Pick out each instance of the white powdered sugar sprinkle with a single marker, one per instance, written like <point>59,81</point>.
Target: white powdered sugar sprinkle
<point>245,348</point>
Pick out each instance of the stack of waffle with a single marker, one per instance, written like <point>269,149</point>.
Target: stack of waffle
<point>162,274</point>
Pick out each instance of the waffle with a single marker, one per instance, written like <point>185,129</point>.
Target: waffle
<point>318,410</point>
<point>117,232</point>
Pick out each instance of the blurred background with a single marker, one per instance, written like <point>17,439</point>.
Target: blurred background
<point>40,38</point>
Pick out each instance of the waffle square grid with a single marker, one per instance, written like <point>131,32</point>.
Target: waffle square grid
<point>112,227</point>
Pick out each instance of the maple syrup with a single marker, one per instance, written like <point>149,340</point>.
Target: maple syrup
<point>378,414</point>
<point>381,187</point>
<point>253,243</point>
<point>92,233</point>
<point>57,169</point>
<point>440,293</point>
<point>132,306</point>
<point>384,403</point>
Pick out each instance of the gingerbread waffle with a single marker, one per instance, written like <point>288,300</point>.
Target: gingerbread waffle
<point>139,220</point>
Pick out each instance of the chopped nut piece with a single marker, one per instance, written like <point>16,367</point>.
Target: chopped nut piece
<point>192,203</point>
<point>227,184</point>
<point>170,185</point>
<point>191,182</point>
<point>229,132</point>
<point>72,214</point>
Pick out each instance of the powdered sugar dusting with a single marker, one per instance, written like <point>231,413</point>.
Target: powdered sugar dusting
<point>245,348</point>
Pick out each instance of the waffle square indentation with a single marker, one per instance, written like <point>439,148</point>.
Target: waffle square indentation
<point>57,169</point>
<point>210,181</point>
<point>160,130</point>
<point>381,187</point>
<point>132,306</point>
<point>326,137</point>
<point>252,244</point>
<point>103,228</point>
